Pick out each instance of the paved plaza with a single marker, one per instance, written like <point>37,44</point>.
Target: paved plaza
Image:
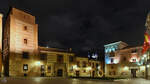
<point>40,80</point>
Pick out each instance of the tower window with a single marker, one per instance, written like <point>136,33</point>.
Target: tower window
<point>25,28</point>
<point>25,41</point>
<point>25,67</point>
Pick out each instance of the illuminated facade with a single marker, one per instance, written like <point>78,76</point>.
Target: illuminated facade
<point>56,62</point>
<point>123,61</point>
<point>23,57</point>
<point>84,67</point>
<point>1,16</point>
<point>20,44</point>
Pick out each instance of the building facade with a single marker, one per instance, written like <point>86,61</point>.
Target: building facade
<point>124,61</point>
<point>20,44</point>
<point>87,68</point>
<point>56,62</point>
<point>62,63</point>
<point>23,57</point>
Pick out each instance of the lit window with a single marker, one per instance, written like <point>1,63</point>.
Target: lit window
<point>49,67</point>
<point>42,68</point>
<point>25,41</point>
<point>25,67</point>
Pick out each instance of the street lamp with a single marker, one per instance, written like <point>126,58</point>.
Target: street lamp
<point>148,66</point>
<point>37,63</point>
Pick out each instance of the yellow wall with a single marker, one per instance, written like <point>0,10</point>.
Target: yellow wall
<point>52,62</point>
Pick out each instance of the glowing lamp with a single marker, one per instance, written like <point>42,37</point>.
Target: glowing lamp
<point>148,66</point>
<point>99,67</point>
<point>88,68</point>
<point>37,63</point>
<point>145,55</point>
<point>125,68</point>
<point>75,67</point>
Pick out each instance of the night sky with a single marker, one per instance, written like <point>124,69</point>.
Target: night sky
<point>85,24</point>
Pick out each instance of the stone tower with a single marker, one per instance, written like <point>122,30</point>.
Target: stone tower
<point>1,16</point>
<point>20,44</point>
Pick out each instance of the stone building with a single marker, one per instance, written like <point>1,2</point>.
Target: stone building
<point>23,57</point>
<point>20,44</point>
<point>63,63</point>
<point>123,61</point>
<point>87,68</point>
<point>56,62</point>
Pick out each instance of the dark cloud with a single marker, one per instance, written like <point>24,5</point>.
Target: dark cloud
<point>86,24</point>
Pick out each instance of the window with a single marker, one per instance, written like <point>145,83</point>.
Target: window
<point>134,51</point>
<point>71,59</point>
<point>84,64</point>
<point>97,65</point>
<point>71,69</point>
<point>89,63</point>
<point>124,59</point>
<point>25,67</point>
<point>78,64</point>
<point>25,41</point>
<point>43,56</point>
<point>112,67</point>
<point>42,68</point>
<point>84,71</point>
<point>93,65</point>
<point>25,55</point>
<point>112,54</point>
<point>25,28</point>
<point>49,67</point>
<point>110,73</point>
<point>60,58</point>
<point>114,73</point>
<point>112,60</point>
